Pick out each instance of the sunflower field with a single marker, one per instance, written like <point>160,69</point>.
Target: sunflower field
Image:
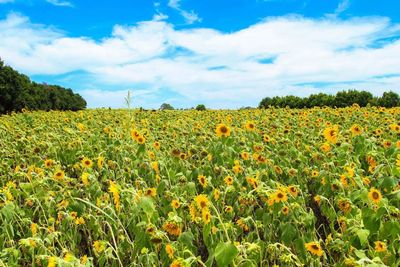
<point>273,187</point>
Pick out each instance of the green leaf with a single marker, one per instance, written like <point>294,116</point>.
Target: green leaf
<point>363,236</point>
<point>225,253</point>
<point>289,233</point>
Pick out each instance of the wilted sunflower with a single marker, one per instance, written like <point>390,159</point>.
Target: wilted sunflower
<point>314,248</point>
<point>223,130</point>
<point>375,195</point>
<point>285,210</point>
<point>172,228</point>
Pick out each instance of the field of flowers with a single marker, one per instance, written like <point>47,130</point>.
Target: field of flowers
<point>276,187</point>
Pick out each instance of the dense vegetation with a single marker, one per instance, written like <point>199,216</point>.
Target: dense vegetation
<point>17,92</point>
<point>341,99</point>
<point>261,187</point>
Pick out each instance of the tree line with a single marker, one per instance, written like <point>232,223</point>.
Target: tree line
<point>17,92</point>
<point>341,99</point>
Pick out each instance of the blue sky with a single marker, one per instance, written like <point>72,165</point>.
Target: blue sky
<point>225,54</point>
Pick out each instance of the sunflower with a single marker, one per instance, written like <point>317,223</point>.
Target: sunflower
<point>378,131</point>
<point>386,144</point>
<point>223,130</point>
<point>48,163</point>
<point>59,175</point>
<point>317,199</point>
<point>99,246</point>
<point>344,205</point>
<point>201,201</point>
<point>245,155</point>
<point>216,194</point>
<point>182,156</point>
<point>141,140</point>
<point>331,134</point>
<point>326,147</point>
<point>170,251</point>
<point>314,174</point>
<point>285,210</point>
<point>280,196</point>
<point>250,126</point>
<point>85,178</point>
<point>175,204</point>
<point>87,163</point>
<point>135,134</point>
<point>228,180</point>
<point>266,138</point>
<point>228,209</point>
<point>237,169</point>
<point>293,190</point>
<point>206,215</point>
<point>172,228</point>
<point>380,246</point>
<point>375,195</point>
<point>356,129</point>
<point>100,162</point>
<point>314,248</point>
<point>178,263</point>
<point>202,180</point>
<point>157,145</point>
<point>150,192</point>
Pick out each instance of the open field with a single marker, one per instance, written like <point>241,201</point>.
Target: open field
<point>311,187</point>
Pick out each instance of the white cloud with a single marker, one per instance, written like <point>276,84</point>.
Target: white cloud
<point>6,1</point>
<point>60,3</point>
<point>189,16</point>
<point>342,6</point>
<point>203,65</point>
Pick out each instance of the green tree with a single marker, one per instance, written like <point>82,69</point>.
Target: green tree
<point>201,107</point>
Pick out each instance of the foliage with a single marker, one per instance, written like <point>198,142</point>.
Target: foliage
<point>341,99</point>
<point>18,92</point>
<point>287,187</point>
<point>166,106</point>
<point>201,107</point>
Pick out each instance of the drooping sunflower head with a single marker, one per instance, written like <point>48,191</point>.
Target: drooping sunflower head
<point>314,248</point>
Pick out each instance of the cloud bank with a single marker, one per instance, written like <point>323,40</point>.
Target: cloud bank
<point>277,56</point>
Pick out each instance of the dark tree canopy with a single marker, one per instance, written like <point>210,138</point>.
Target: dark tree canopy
<point>201,107</point>
<point>166,106</point>
<point>17,91</point>
<point>341,99</point>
